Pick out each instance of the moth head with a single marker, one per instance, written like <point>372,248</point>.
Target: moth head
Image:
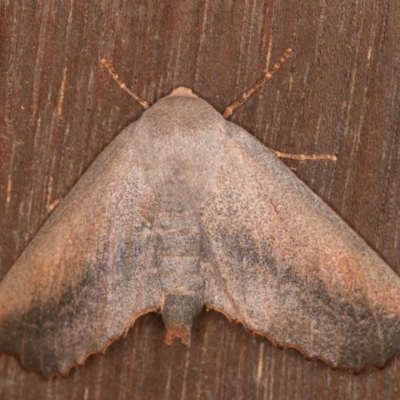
<point>183,91</point>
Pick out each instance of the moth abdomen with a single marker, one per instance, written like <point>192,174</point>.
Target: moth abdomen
<point>178,257</point>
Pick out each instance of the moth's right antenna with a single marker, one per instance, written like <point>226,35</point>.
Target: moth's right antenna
<point>122,85</point>
<point>229,110</point>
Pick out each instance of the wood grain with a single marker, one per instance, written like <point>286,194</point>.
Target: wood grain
<point>59,109</point>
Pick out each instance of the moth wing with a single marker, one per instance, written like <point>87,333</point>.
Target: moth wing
<point>89,272</point>
<point>280,261</point>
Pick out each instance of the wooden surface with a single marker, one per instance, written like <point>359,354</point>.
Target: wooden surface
<point>339,93</point>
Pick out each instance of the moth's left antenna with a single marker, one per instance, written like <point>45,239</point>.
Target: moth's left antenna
<point>122,85</point>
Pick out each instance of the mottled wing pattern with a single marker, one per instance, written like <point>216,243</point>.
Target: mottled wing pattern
<point>89,272</point>
<point>280,261</point>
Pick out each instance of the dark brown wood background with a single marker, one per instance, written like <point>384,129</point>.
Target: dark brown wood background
<point>339,93</point>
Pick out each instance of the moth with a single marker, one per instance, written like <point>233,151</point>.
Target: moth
<point>185,209</point>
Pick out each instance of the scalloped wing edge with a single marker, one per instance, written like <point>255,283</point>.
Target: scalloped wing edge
<point>81,363</point>
<point>283,346</point>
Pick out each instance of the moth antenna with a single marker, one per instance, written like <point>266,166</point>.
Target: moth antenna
<point>229,110</point>
<point>303,157</point>
<point>122,85</point>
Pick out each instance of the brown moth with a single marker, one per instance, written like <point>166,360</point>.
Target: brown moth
<point>185,209</point>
